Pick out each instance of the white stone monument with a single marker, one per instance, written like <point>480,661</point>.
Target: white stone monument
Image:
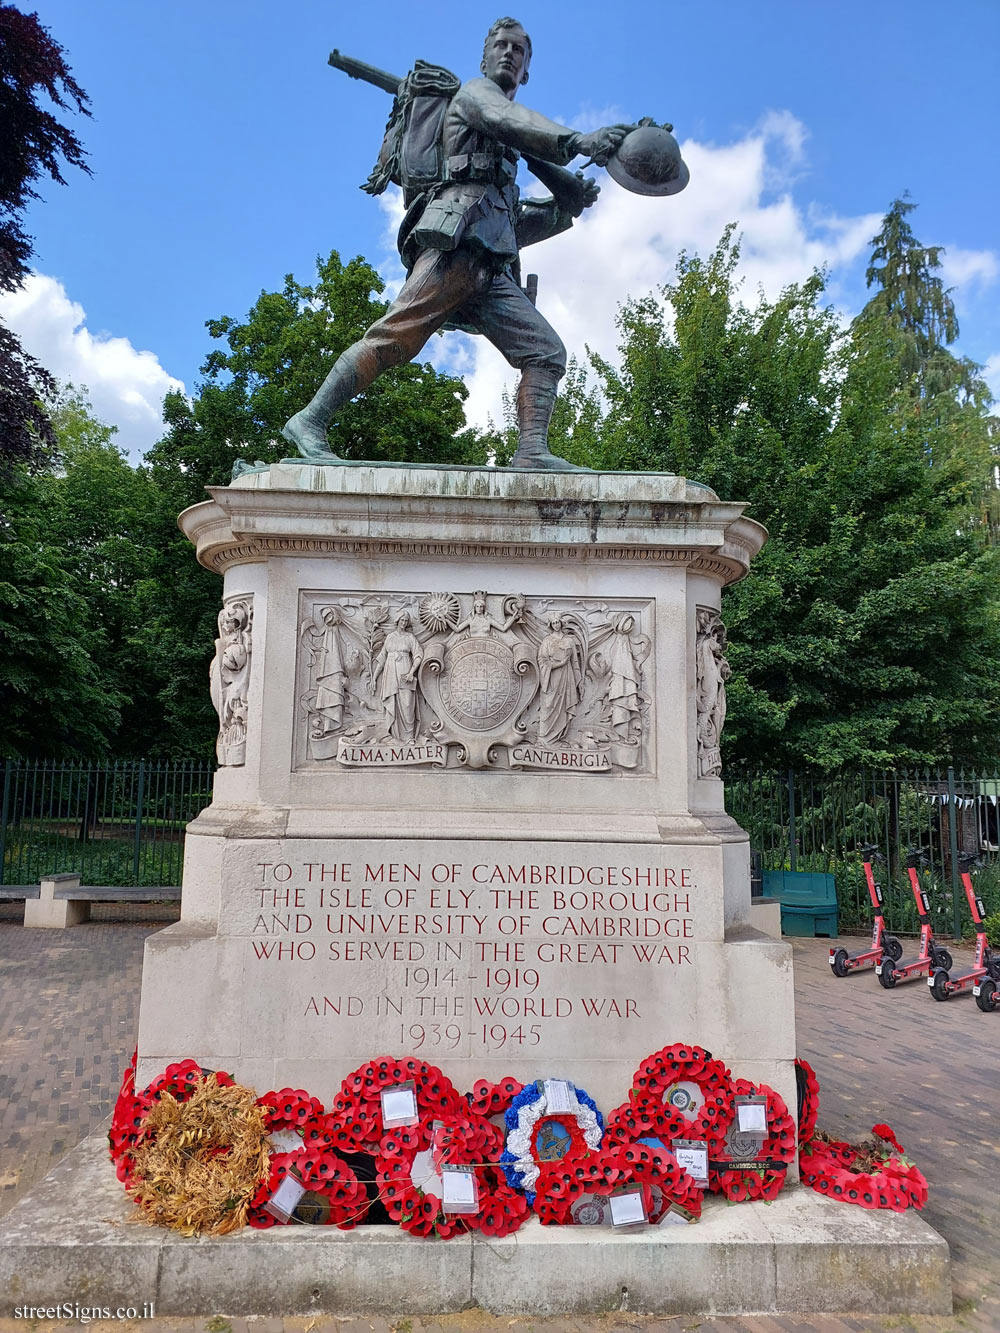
<point>470,803</point>
<point>469,806</point>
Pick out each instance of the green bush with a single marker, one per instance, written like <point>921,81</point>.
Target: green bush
<point>97,861</point>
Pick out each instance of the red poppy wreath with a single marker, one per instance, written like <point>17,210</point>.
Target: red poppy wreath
<point>334,1196</point>
<point>875,1174</point>
<point>687,1086</point>
<point>745,1167</point>
<point>409,1165</point>
<point>357,1107</point>
<point>572,1191</point>
<point>127,1130</point>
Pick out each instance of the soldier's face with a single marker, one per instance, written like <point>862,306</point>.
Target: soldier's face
<point>505,60</point>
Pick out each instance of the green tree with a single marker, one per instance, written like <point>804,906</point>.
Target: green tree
<point>54,700</point>
<point>105,515</point>
<point>951,400</point>
<point>84,545</point>
<point>913,299</point>
<point>176,608</point>
<point>79,545</point>
<point>273,362</point>
<point>867,631</point>
<point>268,366</point>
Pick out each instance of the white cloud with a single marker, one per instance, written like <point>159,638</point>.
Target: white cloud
<point>391,204</point>
<point>991,374</point>
<point>125,386</point>
<point>969,267</point>
<point>628,245</point>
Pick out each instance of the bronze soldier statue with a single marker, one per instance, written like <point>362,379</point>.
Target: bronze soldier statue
<point>465,223</point>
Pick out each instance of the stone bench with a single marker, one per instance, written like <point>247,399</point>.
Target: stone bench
<point>61,900</point>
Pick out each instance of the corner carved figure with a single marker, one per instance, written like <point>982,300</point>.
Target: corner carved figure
<point>229,679</point>
<point>454,147</point>
<point>395,676</point>
<point>712,672</point>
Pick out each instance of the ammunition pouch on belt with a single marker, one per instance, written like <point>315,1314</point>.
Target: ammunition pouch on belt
<point>442,224</point>
<point>481,168</point>
<point>444,221</point>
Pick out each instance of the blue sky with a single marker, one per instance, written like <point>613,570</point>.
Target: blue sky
<point>226,153</point>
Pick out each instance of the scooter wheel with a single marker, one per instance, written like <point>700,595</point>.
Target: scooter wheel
<point>987,997</point>
<point>939,988</point>
<point>892,948</point>
<point>887,977</point>
<point>945,960</point>
<point>839,963</point>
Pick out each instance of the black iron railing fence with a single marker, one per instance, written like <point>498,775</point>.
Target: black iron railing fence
<point>123,823</point>
<point>802,822</point>
<point>120,822</point>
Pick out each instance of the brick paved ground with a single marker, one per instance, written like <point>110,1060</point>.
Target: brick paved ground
<point>68,1008</point>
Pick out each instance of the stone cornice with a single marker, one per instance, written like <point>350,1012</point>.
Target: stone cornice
<point>472,514</point>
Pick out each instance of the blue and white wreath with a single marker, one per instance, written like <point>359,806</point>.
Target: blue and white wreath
<point>526,1110</point>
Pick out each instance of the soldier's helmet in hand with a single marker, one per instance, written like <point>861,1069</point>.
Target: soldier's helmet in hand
<point>648,161</point>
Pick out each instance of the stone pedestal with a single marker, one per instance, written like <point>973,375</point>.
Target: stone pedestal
<point>470,803</point>
<point>70,1241</point>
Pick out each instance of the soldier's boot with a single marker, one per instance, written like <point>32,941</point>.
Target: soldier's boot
<point>536,397</point>
<point>307,429</point>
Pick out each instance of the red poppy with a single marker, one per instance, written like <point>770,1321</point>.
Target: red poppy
<point>289,1108</point>
<point>493,1098</point>
<point>179,1080</point>
<point>319,1131</point>
<point>884,1132</point>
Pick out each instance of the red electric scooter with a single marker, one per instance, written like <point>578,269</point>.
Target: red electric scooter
<point>884,946</point>
<point>931,955</point>
<point>986,964</point>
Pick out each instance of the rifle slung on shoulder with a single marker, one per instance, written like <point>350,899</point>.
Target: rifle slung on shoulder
<point>357,69</point>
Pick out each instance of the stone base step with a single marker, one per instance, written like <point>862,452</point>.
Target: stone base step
<point>70,1240</point>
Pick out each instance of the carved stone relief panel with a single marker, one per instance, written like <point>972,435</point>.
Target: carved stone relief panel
<point>712,672</point>
<point>229,678</point>
<point>474,679</point>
